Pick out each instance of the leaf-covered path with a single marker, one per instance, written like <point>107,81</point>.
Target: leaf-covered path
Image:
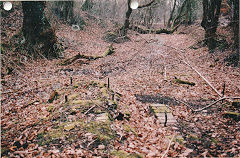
<point>144,72</point>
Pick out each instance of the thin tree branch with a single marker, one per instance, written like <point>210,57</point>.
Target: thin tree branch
<point>168,146</point>
<point>215,102</point>
<point>203,78</point>
<point>90,109</point>
<point>146,5</point>
<point>196,71</point>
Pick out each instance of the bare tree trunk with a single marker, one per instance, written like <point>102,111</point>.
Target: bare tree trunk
<point>39,35</point>
<point>64,10</point>
<point>171,14</point>
<point>211,12</point>
<point>177,20</point>
<point>236,22</point>
<point>188,19</point>
<point>128,14</point>
<point>114,9</point>
<point>236,29</point>
<point>126,22</point>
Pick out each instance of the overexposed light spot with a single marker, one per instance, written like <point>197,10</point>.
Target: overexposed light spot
<point>134,5</point>
<point>23,59</point>
<point>75,27</point>
<point>7,6</point>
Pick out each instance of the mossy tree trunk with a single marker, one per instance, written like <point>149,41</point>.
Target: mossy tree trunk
<point>211,12</point>
<point>40,37</point>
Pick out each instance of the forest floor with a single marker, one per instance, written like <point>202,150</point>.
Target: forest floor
<point>142,71</point>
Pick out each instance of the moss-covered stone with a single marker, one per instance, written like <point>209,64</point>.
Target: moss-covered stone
<point>66,122</point>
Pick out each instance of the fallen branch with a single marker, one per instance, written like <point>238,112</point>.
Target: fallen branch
<point>30,103</point>
<point>184,82</point>
<point>76,57</point>
<point>196,71</point>
<point>168,146</point>
<point>203,78</point>
<point>229,113</point>
<point>91,143</point>
<point>90,109</point>
<point>233,115</point>
<point>148,31</point>
<point>198,110</point>
<point>109,51</point>
<point>165,73</point>
<point>147,5</point>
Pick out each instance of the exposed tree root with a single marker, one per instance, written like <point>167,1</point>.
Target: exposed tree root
<point>69,61</point>
<point>158,31</point>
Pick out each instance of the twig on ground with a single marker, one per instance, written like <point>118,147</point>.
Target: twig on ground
<point>185,104</point>
<point>30,103</point>
<point>203,78</point>
<point>168,146</point>
<point>165,73</point>
<point>90,143</point>
<point>188,64</point>
<point>216,102</point>
<point>90,109</point>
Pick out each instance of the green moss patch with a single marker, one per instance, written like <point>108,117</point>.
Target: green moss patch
<point>80,114</point>
<point>51,108</point>
<point>159,108</point>
<point>102,130</point>
<point>123,154</point>
<point>85,103</point>
<point>128,128</point>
